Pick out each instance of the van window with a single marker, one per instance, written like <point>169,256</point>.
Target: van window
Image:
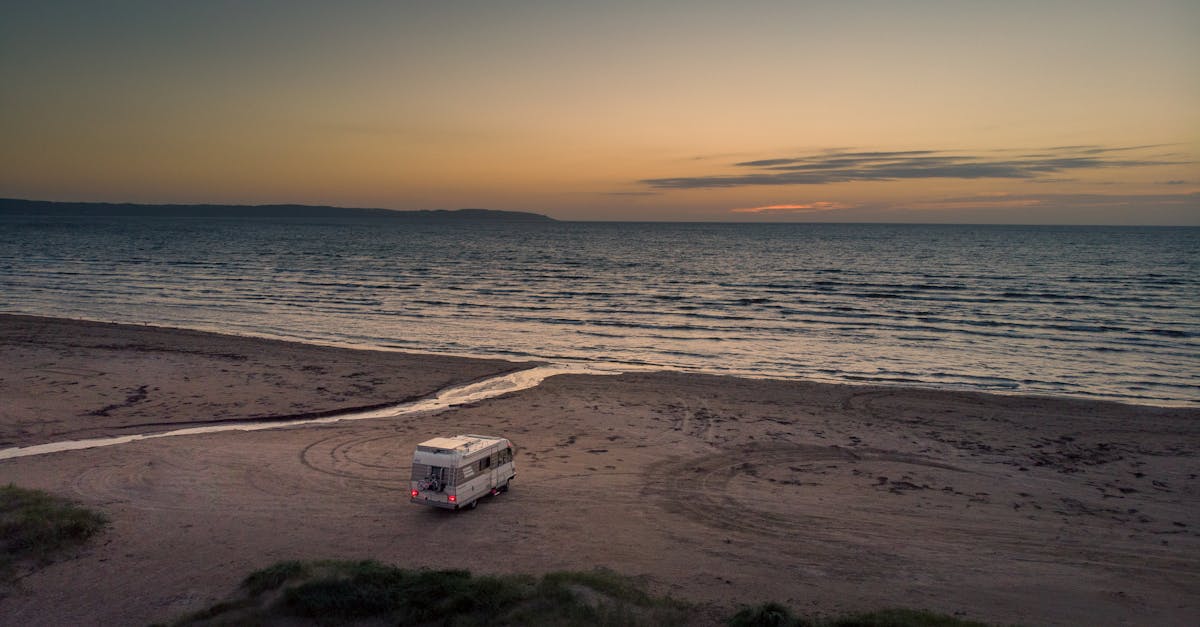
<point>485,463</point>
<point>435,480</point>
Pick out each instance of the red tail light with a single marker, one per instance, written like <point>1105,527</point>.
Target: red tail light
<point>452,498</point>
<point>414,494</point>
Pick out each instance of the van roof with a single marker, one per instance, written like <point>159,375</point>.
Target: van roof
<point>459,443</point>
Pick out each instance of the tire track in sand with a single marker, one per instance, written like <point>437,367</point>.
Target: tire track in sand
<point>361,457</point>
<point>699,488</point>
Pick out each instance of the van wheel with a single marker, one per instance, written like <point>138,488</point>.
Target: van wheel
<point>474,504</point>
<point>504,488</point>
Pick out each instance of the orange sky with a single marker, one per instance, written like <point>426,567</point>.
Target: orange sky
<point>1063,112</point>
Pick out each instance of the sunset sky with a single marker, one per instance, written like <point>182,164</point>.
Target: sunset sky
<point>923,111</point>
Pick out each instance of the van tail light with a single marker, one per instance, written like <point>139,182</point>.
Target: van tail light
<point>453,498</point>
<point>414,494</point>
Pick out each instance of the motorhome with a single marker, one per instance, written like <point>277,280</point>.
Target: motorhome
<point>457,471</point>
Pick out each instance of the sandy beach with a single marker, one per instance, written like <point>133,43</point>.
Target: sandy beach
<point>716,490</point>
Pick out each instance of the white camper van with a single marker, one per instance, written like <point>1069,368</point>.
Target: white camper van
<point>457,471</point>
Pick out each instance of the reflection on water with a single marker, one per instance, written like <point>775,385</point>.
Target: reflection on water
<point>1092,312</point>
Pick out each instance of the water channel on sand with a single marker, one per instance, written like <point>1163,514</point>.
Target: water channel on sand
<point>444,399</point>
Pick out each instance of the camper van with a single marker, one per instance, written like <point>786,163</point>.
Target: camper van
<point>456,472</point>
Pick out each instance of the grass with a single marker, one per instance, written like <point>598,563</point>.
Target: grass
<point>765,615</point>
<point>368,592</point>
<point>900,618</point>
<point>338,592</point>
<point>35,526</point>
<point>271,578</point>
<point>776,615</point>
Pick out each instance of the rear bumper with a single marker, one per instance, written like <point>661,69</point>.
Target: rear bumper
<point>420,500</point>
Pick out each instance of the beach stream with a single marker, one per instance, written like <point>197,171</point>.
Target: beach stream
<point>442,400</point>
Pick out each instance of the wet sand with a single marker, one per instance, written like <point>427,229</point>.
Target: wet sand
<point>69,379</point>
<point>717,490</point>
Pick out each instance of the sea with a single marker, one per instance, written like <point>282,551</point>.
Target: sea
<point>1088,312</point>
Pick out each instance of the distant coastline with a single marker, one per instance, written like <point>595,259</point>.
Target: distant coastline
<point>22,207</point>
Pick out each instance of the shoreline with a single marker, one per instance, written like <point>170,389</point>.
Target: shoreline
<point>105,379</point>
<point>716,489</point>
<point>619,367</point>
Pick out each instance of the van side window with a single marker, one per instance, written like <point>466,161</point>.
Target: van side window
<point>484,463</point>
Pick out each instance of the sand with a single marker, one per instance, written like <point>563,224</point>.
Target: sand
<point>67,379</point>
<point>718,490</point>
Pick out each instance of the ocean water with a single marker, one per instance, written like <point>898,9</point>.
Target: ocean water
<point>1093,312</point>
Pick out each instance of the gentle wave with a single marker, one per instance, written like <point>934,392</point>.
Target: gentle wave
<point>1089,312</point>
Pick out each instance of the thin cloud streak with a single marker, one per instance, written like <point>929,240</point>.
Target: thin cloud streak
<point>1116,208</point>
<point>813,207</point>
<point>1060,201</point>
<point>844,167</point>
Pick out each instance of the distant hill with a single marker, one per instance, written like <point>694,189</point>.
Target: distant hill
<point>18,207</point>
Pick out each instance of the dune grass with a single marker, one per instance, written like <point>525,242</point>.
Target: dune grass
<point>368,592</point>
<point>776,615</point>
<point>765,615</point>
<point>336,592</point>
<point>35,526</point>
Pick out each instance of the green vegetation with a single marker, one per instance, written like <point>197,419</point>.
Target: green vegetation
<point>334,592</point>
<point>900,618</point>
<point>35,525</point>
<point>271,578</point>
<point>367,592</point>
<point>765,615</point>
<point>776,615</point>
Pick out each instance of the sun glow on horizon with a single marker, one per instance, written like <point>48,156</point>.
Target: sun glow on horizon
<point>883,115</point>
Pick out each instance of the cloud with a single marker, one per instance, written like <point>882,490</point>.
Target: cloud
<point>1174,182</point>
<point>839,166</point>
<point>1001,200</point>
<point>982,201</point>
<point>812,207</point>
<point>1052,180</point>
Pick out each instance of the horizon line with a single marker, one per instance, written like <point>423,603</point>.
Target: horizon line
<point>587,220</point>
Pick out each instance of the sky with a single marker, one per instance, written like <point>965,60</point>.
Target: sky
<point>1063,112</point>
